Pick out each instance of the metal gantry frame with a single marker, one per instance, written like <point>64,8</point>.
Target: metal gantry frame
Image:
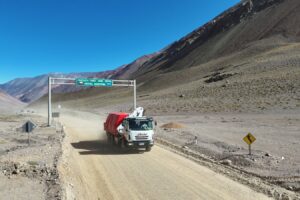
<point>71,81</point>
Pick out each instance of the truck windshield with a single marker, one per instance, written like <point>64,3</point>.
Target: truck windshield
<point>140,125</point>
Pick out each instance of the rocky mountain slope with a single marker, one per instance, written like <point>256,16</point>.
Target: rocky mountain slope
<point>127,70</point>
<point>231,31</point>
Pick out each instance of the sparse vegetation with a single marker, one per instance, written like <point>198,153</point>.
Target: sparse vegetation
<point>32,163</point>
<point>2,141</point>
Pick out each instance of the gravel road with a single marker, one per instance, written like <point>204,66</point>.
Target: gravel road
<point>91,169</point>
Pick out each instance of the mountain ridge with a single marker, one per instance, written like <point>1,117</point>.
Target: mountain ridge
<point>235,29</point>
<point>30,89</point>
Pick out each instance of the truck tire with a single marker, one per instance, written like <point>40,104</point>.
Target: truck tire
<point>120,142</point>
<point>114,142</point>
<point>108,138</point>
<point>148,148</point>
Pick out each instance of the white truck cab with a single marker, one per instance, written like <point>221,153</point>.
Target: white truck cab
<point>138,132</point>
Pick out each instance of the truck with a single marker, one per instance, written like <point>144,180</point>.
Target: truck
<point>130,130</point>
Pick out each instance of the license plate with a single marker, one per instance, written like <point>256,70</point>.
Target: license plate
<point>141,143</point>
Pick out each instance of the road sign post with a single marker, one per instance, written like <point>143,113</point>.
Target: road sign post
<point>249,149</point>
<point>28,127</point>
<point>49,102</point>
<point>88,82</point>
<point>249,139</point>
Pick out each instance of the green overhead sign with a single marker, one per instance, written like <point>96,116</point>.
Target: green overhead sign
<point>93,82</point>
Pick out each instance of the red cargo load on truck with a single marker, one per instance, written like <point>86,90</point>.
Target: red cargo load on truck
<point>113,121</point>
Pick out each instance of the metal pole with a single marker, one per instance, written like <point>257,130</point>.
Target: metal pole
<point>134,94</point>
<point>49,102</point>
<point>249,149</point>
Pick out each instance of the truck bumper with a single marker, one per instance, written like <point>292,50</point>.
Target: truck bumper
<point>140,144</point>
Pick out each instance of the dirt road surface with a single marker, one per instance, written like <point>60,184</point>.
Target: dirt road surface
<point>92,169</point>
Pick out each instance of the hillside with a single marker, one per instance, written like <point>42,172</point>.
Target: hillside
<point>231,31</point>
<point>244,63</point>
<point>127,70</point>
<point>241,82</point>
<point>8,103</point>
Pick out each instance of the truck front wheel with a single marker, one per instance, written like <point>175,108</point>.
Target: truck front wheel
<point>148,148</point>
<point>115,140</point>
<point>108,138</point>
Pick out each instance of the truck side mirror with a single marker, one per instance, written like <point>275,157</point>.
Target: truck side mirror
<point>155,123</point>
<point>124,126</point>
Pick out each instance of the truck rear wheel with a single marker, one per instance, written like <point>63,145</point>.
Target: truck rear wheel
<point>120,142</point>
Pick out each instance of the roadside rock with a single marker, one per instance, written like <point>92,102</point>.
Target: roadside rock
<point>226,162</point>
<point>217,77</point>
<point>267,154</point>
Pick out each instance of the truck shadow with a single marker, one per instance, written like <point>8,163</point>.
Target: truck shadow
<point>98,147</point>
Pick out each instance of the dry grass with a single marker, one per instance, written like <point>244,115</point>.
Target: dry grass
<point>2,141</point>
<point>172,125</point>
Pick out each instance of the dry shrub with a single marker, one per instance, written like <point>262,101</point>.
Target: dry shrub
<point>172,125</point>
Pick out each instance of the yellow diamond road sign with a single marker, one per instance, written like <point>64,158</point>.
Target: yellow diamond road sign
<point>249,138</point>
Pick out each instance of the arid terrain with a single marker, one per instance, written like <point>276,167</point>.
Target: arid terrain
<point>88,165</point>
<point>120,174</point>
<point>237,74</point>
<point>28,163</point>
<point>108,172</point>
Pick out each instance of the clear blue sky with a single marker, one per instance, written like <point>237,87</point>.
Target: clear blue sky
<point>41,36</point>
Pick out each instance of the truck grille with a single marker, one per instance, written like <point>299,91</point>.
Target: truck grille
<point>141,137</point>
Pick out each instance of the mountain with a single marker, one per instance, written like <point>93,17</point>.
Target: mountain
<point>127,70</point>
<point>231,31</point>
<point>255,40</point>
<point>244,60</point>
<point>30,89</point>
<point>8,103</point>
